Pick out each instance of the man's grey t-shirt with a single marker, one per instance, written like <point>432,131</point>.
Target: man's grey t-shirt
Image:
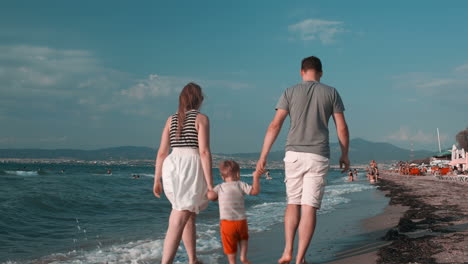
<point>310,105</point>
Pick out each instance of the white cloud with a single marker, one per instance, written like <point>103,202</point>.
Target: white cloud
<point>462,68</point>
<point>58,82</point>
<point>312,29</point>
<point>448,87</point>
<point>436,83</point>
<point>405,134</point>
<point>154,86</point>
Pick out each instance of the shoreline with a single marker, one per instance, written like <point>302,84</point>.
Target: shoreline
<point>426,221</point>
<point>336,231</point>
<point>435,227</point>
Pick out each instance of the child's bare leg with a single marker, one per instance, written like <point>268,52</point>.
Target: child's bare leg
<point>232,258</point>
<point>244,245</point>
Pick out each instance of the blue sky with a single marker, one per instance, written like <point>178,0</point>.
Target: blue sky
<point>92,74</point>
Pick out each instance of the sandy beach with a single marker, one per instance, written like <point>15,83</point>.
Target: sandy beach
<point>426,222</point>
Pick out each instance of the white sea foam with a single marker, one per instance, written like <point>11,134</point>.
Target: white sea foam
<point>151,175</point>
<point>22,173</point>
<point>145,251</point>
<point>336,190</point>
<point>262,216</point>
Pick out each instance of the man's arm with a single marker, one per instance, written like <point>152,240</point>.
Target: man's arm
<point>272,133</point>
<point>343,137</point>
<point>203,127</point>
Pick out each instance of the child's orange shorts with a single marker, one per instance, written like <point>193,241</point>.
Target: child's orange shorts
<point>231,233</point>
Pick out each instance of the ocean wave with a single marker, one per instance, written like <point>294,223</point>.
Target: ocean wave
<point>341,189</point>
<point>150,175</point>
<point>329,203</point>
<point>262,216</point>
<point>141,252</point>
<point>23,173</point>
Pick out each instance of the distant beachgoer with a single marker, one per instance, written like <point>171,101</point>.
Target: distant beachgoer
<point>233,224</point>
<point>186,172</point>
<point>371,175</point>
<point>376,174</point>
<point>267,174</point>
<point>350,175</point>
<point>109,171</point>
<point>355,173</point>
<point>309,104</point>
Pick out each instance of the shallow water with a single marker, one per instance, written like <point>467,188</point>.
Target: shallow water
<point>84,215</point>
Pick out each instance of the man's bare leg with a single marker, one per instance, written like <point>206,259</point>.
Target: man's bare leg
<point>177,221</point>
<point>189,238</point>
<point>291,222</point>
<point>306,231</point>
<point>244,245</point>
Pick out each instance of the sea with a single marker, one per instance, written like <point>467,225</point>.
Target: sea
<point>81,213</point>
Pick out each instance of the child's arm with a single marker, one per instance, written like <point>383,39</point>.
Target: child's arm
<point>256,183</point>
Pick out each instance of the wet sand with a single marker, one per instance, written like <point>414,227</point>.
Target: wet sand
<point>426,222</point>
<point>433,228</point>
<point>376,227</point>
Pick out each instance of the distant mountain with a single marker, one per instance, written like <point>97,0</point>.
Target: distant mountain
<point>361,151</point>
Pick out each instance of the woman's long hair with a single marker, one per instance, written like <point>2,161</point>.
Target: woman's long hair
<point>190,98</point>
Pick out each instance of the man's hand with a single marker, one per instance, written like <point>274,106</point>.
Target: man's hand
<point>157,189</point>
<point>344,163</point>
<point>261,164</point>
<point>258,173</point>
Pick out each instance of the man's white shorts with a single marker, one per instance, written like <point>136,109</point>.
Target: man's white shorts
<point>305,177</point>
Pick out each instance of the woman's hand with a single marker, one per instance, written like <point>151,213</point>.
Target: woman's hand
<point>157,189</point>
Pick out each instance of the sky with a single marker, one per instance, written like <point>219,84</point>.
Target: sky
<point>95,74</point>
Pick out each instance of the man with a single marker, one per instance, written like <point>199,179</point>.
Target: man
<point>309,105</point>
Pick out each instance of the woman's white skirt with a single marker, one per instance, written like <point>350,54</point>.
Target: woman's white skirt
<point>184,181</point>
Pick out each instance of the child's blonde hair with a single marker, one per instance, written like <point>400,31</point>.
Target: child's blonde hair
<point>229,168</point>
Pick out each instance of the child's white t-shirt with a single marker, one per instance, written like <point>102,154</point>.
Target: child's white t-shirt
<point>231,199</point>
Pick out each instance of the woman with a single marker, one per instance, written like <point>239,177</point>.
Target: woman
<point>186,172</point>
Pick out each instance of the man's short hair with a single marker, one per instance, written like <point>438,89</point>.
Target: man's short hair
<point>311,63</point>
<point>228,168</point>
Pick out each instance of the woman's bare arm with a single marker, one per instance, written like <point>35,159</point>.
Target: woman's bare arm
<point>203,128</point>
<point>161,156</point>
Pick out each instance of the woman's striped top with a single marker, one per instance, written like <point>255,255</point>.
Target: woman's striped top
<point>189,134</point>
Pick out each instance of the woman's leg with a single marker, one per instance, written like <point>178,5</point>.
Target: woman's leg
<point>189,238</point>
<point>177,222</point>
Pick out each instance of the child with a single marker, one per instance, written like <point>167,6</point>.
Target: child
<point>233,224</point>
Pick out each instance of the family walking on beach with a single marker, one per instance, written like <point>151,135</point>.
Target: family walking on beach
<point>186,178</point>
